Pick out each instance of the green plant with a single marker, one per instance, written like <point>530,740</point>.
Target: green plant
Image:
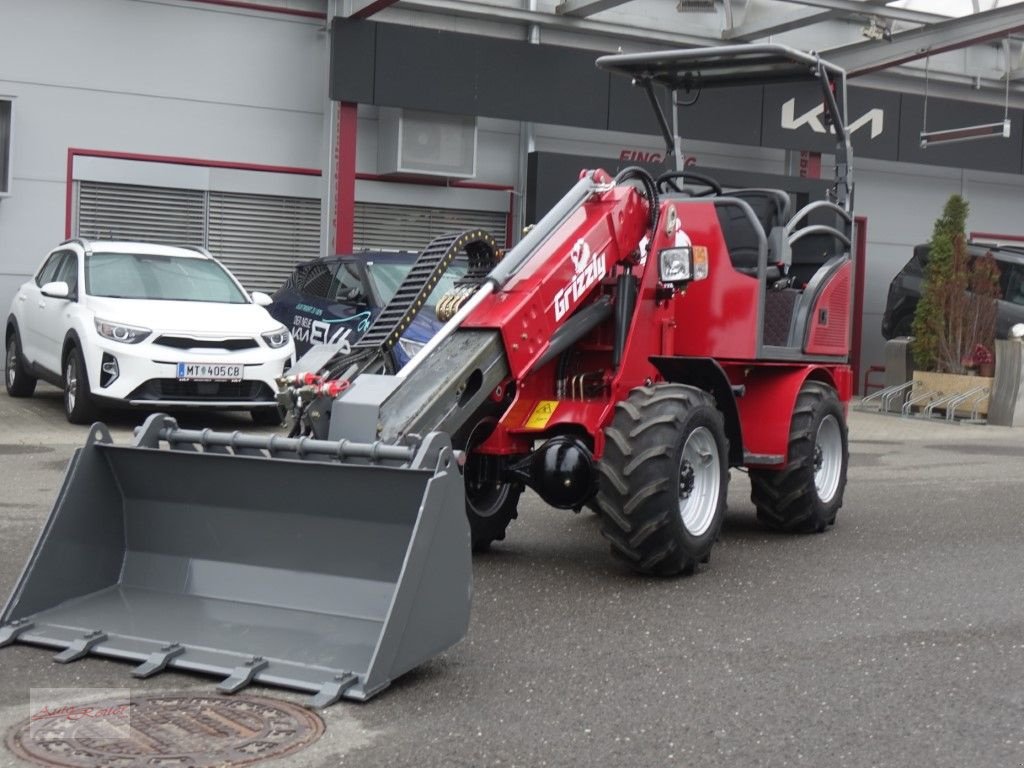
<point>957,310</point>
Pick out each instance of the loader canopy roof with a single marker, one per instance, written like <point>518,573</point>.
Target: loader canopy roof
<point>692,68</point>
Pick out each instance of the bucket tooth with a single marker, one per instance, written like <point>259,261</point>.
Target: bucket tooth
<point>158,661</point>
<point>243,675</point>
<point>9,633</point>
<point>81,646</point>
<point>332,691</point>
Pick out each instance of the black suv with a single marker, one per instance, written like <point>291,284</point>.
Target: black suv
<point>905,289</point>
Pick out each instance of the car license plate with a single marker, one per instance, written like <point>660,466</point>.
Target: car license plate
<point>209,372</point>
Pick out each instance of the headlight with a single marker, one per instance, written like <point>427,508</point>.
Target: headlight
<point>276,338</point>
<point>127,334</point>
<point>410,347</point>
<point>675,265</point>
<point>683,263</point>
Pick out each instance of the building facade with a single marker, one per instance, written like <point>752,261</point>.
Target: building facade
<point>272,132</point>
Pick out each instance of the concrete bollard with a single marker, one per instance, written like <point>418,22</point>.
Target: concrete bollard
<point>1006,405</point>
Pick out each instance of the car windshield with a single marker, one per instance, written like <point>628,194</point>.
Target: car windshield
<point>388,275</point>
<point>162,278</point>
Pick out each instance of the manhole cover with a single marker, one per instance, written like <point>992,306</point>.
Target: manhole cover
<point>165,731</point>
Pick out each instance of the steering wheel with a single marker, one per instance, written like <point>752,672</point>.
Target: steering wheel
<point>667,183</point>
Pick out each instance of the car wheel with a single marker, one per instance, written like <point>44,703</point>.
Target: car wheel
<point>78,403</point>
<point>19,382</point>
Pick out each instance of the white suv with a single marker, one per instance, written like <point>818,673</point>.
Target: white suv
<point>119,323</point>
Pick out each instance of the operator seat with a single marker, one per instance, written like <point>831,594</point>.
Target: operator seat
<point>742,234</point>
<point>772,207</point>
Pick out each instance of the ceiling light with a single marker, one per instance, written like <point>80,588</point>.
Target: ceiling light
<point>951,135</point>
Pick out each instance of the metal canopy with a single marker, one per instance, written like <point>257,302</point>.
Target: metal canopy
<point>864,57</point>
<point>728,65</point>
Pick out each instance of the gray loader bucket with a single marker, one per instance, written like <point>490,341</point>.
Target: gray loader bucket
<point>328,567</point>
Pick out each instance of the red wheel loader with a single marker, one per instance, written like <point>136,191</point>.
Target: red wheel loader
<point>643,338</point>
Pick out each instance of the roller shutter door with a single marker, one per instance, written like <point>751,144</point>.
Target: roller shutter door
<point>408,227</point>
<point>260,238</point>
<point>150,214</point>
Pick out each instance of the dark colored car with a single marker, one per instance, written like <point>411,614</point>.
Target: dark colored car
<point>333,300</point>
<point>905,289</point>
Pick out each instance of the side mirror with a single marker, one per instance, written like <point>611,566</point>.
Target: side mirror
<point>259,297</point>
<point>56,290</point>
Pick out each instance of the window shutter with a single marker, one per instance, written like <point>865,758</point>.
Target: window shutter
<point>151,214</point>
<point>261,238</point>
<point>406,227</point>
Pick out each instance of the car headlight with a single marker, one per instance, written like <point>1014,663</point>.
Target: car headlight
<point>411,347</point>
<point>127,334</point>
<point>683,263</point>
<point>276,338</point>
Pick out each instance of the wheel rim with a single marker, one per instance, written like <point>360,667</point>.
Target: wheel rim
<point>12,361</point>
<point>70,383</point>
<point>700,478</point>
<point>828,458</point>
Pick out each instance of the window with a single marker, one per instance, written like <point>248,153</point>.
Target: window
<point>347,286</point>
<point>6,134</point>
<point>166,278</point>
<point>1015,284</point>
<point>49,269</point>
<point>315,280</point>
<point>68,273</point>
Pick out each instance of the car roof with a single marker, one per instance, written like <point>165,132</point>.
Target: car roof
<point>1001,252</point>
<point>145,249</point>
<point>1012,254</point>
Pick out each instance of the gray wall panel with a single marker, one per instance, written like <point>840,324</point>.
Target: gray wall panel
<point>353,53</point>
<point>190,51</point>
<point>464,74</point>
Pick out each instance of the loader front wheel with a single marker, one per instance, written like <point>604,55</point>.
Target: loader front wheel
<point>491,501</point>
<point>662,479</point>
<point>805,496</point>
<point>490,504</point>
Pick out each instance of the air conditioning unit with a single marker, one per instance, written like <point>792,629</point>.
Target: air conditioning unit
<point>426,143</point>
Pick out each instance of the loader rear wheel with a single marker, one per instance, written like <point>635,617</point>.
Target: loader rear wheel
<point>662,480</point>
<point>806,496</point>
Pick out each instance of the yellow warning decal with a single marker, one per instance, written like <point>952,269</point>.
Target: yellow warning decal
<point>542,414</point>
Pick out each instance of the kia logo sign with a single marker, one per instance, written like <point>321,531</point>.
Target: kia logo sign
<point>875,118</point>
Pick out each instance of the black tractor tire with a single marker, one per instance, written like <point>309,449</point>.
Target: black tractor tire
<point>806,495</point>
<point>663,477</point>
<point>267,417</point>
<point>490,503</point>
<point>490,511</point>
<point>79,406</point>
<point>19,382</point>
